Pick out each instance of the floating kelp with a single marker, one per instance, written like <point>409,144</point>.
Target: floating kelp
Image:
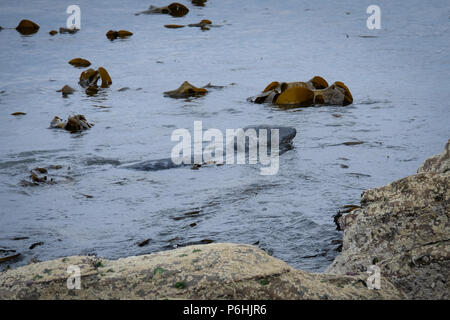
<point>40,176</point>
<point>53,32</point>
<point>66,90</point>
<point>73,124</point>
<point>174,9</point>
<point>89,78</point>
<point>80,63</point>
<point>27,27</point>
<point>18,113</point>
<point>112,34</point>
<point>173,26</point>
<point>296,96</point>
<point>186,90</point>
<point>106,79</point>
<point>300,94</point>
<point>199,3</point>
<point>201,24</point>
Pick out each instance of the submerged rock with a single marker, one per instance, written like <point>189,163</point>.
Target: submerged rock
<point>27,27</point>
<point>174,9</point>
<point>299,94</point>
<point>186,90</point>
<point>80,63</point>
<point>73,124</point>
<point>403,228</point>
<point>112,35</point>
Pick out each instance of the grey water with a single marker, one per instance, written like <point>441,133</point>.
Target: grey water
<point>398,76</point>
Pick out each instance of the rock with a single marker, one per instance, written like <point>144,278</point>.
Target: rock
<point>18,113</point>
<point>73,124</point>
<point>53,32</point>
<point>199,3</point>
<point>315,91</point>
<point>80,63</point>
<point>66,30</point>
<point>211,271</point>
<point>437,164</point>
<point>186,90</point>
<point>403,227</point>
<point>174,9</point>
<point>66,90</point>
<point>173,26</point>
<point>112,35</point>
<point>27,27</point>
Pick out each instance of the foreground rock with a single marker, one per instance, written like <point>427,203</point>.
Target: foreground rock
<point>303,94</point>
<point>404,229</point>
<point>213,271</point>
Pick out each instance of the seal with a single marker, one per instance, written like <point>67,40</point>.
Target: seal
<point>286,135</point>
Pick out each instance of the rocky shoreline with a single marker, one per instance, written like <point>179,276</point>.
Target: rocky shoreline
<point>402,228</point>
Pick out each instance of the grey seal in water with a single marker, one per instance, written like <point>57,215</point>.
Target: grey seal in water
<point>286,135</point>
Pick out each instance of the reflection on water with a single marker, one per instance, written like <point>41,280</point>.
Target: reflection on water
<point>401,113</point>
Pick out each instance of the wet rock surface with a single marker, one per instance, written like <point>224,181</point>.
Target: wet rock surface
<point>404,228</point>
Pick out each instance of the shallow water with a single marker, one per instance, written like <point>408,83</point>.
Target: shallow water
<point>399,81</point>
